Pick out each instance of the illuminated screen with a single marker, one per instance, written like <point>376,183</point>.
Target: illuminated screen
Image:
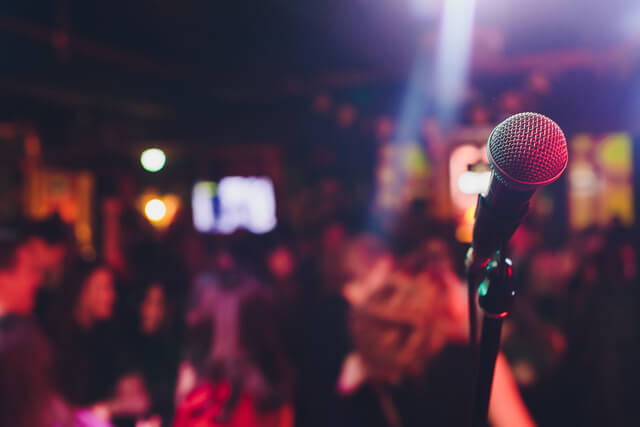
<point>402,175</point>
<point>234,203</point>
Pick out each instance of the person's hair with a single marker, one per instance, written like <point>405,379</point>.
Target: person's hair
<point>51,229</point>
<point>434,252</point>
<point>78,281</point>
<point>398,329</point>
<point>69,296</point>
<point>171,316</point>
<point>259,335</point>
<point>361,254</point>
<point>26,391</point>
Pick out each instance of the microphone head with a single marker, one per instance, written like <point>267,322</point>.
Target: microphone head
<point>527,151</point>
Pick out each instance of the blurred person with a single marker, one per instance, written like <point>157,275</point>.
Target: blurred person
<point>410,356</point>
<point>20,275</point>
<point>28,397</point>
<point>96,298</point>
<point>242,379</point>
<point>405,360</point>
<point>326,341</point>
<point>84,336</point>
<point>91,352</point>
<point>537,337</point>
<point>51,245</point>
<point>34,254</point>
<point>129,402</point>
<point>413,225</point>
<point>600,371</point>
<point>261,336</point>
<point>200,328</point>
<point>87,348</point>
<point>332,238</point>
<point>281,266</point>
<point>290,296</point>
<point>51,242</point>
<point>153,346</point>
<point>127,233</point>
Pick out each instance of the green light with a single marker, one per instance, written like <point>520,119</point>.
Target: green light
<point>483,288</point>
<point>153,159</point>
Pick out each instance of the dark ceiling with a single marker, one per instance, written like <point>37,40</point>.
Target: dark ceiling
<point>185,65</point>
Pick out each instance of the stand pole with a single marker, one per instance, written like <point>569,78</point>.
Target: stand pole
<point>496,295</point>
<point>489,347</point>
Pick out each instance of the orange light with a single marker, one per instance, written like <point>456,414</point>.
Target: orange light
<point>160,210</point>
<point>464,231</point>
<point>155,210</point>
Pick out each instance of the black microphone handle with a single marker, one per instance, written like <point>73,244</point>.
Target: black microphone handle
<point>498,215</point>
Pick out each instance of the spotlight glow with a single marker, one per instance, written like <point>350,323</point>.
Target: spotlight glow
<point>453,56</point>
<point>425,8</point>
<point>155,210</point>
<point>153,159</point>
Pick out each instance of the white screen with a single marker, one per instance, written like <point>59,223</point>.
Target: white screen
<point>235,202</point>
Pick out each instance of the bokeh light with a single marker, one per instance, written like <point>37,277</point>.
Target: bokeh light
<point>474,182</point>
<point>153,159</point>
<point>155,210</point>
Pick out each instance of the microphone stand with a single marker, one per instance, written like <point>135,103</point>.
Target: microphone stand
<point>498,215</point>
<point>496,294</point>
<point>476,271</point>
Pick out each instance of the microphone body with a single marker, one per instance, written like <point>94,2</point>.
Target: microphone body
<point>498,215</point>
<point>526,151</point>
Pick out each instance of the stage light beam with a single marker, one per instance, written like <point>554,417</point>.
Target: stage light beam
<point>425,8</point>
<point>453,56</point>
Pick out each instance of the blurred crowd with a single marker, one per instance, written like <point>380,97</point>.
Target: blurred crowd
<point>319,325</point>
<point>353,311</point>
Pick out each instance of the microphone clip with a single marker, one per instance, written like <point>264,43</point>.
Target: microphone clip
<point>495,297</point>
<point>496,291</point>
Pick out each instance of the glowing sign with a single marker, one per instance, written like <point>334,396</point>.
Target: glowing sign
<point>233,203</point>
<point>464,184</point>
<point>600,180</point>
<point>402,174</point>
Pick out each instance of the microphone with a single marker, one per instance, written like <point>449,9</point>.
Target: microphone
<point>526,151</point>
